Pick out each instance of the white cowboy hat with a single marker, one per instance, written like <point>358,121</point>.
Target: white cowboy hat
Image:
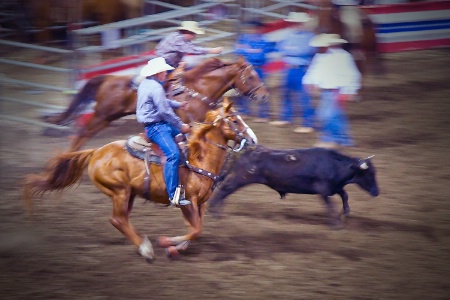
<point>155,66</point>
<point>191,26</point>
<point>298,17</point>
<point>326,39</point>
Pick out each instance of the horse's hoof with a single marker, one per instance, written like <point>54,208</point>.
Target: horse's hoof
<point>164,242</point>
<point>146,249</point>
<point>172,252</point>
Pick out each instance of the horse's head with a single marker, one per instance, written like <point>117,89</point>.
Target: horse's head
<point>232,126</point>
<point>248,83</point>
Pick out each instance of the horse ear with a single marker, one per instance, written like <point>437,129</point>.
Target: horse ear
<point>227,104</point>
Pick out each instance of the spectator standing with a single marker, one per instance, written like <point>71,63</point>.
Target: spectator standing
<point>334,76</point>
<point>297,55</point>
<point>254,48</point>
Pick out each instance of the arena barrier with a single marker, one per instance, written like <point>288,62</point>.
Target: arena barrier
<point>131,64</point>
<point>411,26</point>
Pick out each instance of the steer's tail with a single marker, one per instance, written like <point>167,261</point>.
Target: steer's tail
<point>81,100</point>
<point>61,172</point>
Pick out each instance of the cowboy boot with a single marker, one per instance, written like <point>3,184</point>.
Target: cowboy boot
<point>179,198</point>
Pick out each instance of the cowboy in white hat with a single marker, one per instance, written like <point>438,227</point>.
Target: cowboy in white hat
<point>334,76</point>
<point>297,55</point>
<point>326,40</point>
<point>177,44</point>
<point>161,124</point>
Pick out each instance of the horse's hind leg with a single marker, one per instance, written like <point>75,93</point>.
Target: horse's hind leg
<point>122,206</point>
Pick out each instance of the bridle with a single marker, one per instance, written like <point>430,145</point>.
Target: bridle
<point>237,147</point>
<point>234,128</point>
<point>251,94</point>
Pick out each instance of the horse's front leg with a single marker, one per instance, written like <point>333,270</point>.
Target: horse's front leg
<point>175,244</point>
<point>122,206</point>
<point>88,130</point>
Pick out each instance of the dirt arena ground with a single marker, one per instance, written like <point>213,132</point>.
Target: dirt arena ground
<point>396,246</point>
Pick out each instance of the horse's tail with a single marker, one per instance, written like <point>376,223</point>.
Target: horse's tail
<point>80,101</point>
<point>61,172</point>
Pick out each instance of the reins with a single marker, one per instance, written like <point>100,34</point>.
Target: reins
<point>232,149</point>
<point>229,85</point>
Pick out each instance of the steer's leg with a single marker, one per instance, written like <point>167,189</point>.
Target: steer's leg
<point>345,205</point>
<point>332,215</point>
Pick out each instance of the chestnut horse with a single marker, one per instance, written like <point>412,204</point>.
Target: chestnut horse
<point>115,96</point>
<point>365,51</point>
<point>121,176</point>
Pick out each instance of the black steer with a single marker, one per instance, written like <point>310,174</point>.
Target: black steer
<point>301,171</point>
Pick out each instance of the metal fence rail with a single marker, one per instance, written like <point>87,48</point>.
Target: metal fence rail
<point>138,32</point>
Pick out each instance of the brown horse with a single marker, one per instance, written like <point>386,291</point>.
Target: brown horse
<point>365,51</point>
<point>205,84</point>
<point>44,14</point>
<point>121,176</point>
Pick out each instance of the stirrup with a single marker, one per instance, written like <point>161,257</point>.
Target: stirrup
<point>178,200</point>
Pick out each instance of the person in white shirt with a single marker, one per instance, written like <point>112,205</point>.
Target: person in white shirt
<point>334,76</point>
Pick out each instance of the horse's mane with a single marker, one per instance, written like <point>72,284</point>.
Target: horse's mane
<point>207,66</point>
<point>198,134</point>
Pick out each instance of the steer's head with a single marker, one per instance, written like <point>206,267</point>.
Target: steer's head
<point>365,176</point>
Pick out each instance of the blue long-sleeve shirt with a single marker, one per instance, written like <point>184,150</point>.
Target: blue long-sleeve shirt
<point>153,105</point>
<point>295,48</point>
<point>253,47</point>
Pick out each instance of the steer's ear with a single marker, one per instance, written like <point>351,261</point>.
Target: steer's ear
<point>363,165</point>
<point>360,164</point>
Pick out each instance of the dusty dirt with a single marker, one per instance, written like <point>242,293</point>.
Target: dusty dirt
<point>396,246</point>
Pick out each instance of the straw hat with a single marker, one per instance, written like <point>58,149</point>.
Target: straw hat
<point>191,26</point>
<point>155,66</point>
<point>298,17</point>
<point>326,39</point>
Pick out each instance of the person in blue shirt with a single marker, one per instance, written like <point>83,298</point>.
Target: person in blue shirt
<point>297,55</point>
<point>254,48</point>
<point>161,124</point>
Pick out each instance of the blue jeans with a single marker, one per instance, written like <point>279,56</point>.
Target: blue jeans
<point>334,123</point>
<point>243,103</point>
<point>293,90</point>
<point>162,134</point>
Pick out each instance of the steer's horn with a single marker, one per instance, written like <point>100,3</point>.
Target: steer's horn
<point>370,157</point>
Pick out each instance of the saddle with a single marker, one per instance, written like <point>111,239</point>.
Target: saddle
<point>140,147</point>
